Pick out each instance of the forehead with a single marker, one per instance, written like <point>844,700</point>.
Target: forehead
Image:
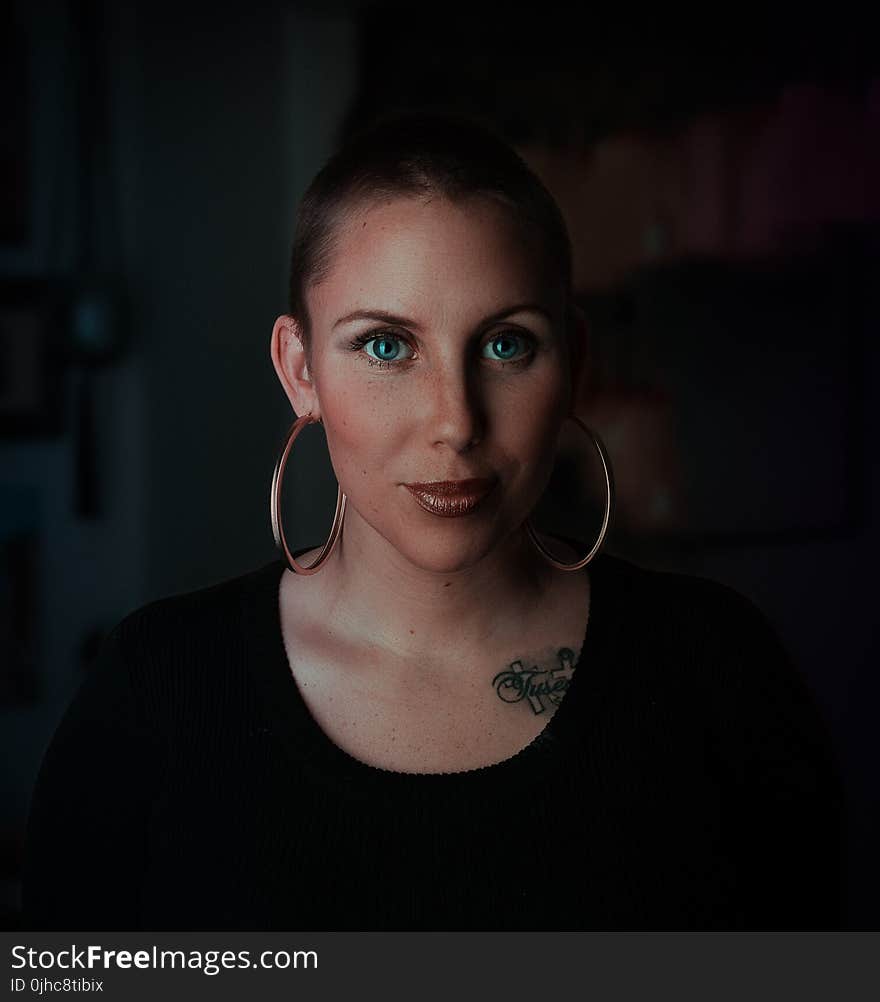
<point>430,256</point>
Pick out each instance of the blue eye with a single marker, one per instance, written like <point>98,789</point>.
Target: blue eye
<point>503,347</point>
<point>386,348</point>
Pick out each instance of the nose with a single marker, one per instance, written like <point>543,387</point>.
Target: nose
<point>457,418</point>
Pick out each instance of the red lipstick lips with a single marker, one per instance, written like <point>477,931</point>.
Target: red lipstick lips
<point>451,498</point>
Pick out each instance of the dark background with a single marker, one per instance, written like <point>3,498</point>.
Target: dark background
<point>720,179</point>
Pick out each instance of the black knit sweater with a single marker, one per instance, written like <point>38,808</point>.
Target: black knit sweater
<point>684,782</point>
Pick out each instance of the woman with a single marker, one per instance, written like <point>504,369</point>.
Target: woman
<point>433,721</point>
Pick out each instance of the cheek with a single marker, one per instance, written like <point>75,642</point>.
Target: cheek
<point>371,427</point>
<point>531,437</point>
<point>362,434</point>
<point>533,419</point>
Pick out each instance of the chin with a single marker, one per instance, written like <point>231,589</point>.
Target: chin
<point>442,545</point>
<point>446,552</point>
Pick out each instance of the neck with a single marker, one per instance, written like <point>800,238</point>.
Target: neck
<point>375,596</point>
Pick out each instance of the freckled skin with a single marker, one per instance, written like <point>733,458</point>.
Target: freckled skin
<point>448,409</point>
<point>449,267</point>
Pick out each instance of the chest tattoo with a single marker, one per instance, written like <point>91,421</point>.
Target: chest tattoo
<point>538,686</point>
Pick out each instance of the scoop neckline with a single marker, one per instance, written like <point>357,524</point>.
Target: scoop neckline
<point>312,747</point>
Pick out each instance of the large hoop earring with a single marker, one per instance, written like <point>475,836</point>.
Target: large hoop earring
<point>609,506</point>
<point>275,503</point>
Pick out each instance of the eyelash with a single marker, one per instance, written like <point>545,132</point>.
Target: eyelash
<point>362,340</point>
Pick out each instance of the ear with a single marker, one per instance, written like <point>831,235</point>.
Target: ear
<point>291,366</point>
<point>578,339</point>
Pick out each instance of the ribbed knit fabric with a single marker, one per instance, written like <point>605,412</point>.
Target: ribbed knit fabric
<point>685,782</point>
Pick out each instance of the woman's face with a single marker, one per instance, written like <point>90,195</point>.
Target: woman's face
<point>438,354</point>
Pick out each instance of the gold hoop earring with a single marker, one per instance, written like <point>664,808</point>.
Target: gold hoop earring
<point>275,505</point>
<point>609,505</point>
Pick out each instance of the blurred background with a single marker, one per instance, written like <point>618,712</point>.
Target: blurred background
<point>721,181</point>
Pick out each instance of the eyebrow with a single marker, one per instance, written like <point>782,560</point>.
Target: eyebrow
<point>392,318</point>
